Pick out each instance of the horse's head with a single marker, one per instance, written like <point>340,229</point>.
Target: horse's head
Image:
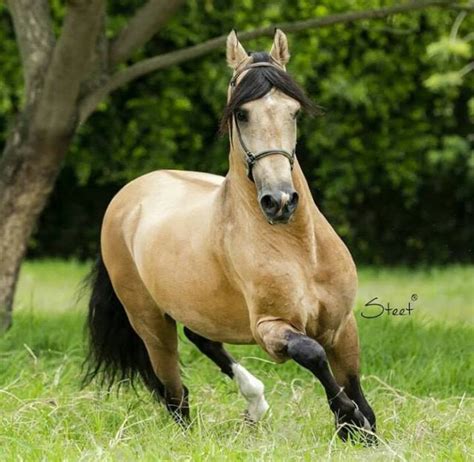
<point>261,114</point>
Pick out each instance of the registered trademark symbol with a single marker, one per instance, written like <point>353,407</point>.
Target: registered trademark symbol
<point>414,298</point>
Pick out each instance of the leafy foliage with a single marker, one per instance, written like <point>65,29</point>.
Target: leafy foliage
<point>391,163</point>
<point>447,52</point>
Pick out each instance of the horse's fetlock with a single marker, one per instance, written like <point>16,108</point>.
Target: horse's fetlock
<point>344,408</point>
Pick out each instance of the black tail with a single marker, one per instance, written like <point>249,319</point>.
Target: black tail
<point>116,352</point>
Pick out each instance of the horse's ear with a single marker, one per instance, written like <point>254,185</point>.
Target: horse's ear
<point>236,53</point>
<point>279,51</point>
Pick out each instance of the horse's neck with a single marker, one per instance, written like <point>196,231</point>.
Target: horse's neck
<point>240,202</point>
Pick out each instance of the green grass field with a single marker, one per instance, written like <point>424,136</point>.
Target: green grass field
<point>417,373</point>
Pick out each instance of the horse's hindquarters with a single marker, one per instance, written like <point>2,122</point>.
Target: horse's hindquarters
<point>160,228</point>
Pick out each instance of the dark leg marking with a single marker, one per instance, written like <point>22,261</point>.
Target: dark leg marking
<point>213,350</point>
<point>178,408</point>
<point>250,387</point>
<point>308,353</point>
<point>354,392</point>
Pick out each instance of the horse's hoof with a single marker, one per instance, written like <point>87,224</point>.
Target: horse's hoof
<point>249,420</point>
<point>253,415</point>
<point>356,428</point>
<point>257,408</point>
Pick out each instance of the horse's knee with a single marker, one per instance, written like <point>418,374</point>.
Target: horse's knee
<point>305,351</point>
<point>273,337</point>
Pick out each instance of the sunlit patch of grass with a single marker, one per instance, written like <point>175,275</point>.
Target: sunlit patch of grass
<point>50,285</point>
<point>417,373</point>
<point>446,294</point>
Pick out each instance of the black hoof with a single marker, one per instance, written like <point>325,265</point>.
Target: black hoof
<point>249,421</point>
<point>356,427</point>
<point>179,409</point>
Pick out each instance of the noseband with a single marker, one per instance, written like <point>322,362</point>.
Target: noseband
<point>250,157</point>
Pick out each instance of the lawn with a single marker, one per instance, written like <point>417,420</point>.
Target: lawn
<point>417,372</point>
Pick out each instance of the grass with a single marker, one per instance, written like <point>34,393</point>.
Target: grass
<point>417,373</point>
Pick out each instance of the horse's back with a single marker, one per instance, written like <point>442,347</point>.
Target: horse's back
<point>168,185</point>
<point>159,193</point>
<point>160,205</point>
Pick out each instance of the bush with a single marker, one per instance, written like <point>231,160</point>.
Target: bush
<point>390,164</point>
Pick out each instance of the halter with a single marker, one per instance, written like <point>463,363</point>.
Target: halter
<point>250,157</point>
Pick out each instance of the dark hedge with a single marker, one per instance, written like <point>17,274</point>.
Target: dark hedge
<point>390,164</point>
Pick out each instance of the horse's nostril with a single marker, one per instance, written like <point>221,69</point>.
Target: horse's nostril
<point>293,201</point>
<point>269,204</point>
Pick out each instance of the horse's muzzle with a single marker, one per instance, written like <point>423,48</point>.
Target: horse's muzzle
<point>278,206</point>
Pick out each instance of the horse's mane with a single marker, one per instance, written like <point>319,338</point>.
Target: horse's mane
<point>258,82</point>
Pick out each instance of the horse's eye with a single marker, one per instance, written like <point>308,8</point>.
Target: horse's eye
<point>296,115</point>
<point>242,116</point>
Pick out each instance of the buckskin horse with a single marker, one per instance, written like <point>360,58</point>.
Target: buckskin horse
<point>241,259</point>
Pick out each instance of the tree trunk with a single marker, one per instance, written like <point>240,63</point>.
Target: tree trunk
<point>32,159</point>
<point>29,167</point>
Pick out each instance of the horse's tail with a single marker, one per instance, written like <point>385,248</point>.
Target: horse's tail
<point>116,352</point>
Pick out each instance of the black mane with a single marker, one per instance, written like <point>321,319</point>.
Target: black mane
<point>258,82</point>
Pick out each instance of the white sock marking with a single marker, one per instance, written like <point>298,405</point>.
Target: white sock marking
<point>252,390</point>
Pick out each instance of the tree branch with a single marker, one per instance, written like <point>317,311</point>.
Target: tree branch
<point>69,65</point>
<point>147,21</point>
<point>146,66</point>
<point>463,6</point>
<point>34,33</point>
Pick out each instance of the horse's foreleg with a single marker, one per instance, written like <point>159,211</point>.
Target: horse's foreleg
<point>344,360</point>
<point>282,341</point>
<point>251,388</point>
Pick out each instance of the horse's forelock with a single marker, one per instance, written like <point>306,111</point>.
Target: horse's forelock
<point>260,57</point>
<point>258,82</point>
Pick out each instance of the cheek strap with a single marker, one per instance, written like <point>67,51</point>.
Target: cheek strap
<point>250,157</point>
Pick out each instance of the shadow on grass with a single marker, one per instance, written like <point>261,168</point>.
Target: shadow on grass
<point>421,358</point>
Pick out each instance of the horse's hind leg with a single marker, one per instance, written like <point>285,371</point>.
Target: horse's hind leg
<point>251,388</point>
<point>344,360</point>
<point>159,335</point>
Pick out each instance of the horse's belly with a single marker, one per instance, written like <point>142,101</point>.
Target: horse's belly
<point>203,304</point>
<point>216,320</point>
<point>188,284</point>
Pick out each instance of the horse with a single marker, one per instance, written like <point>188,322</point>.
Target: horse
<point>243,259</point>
